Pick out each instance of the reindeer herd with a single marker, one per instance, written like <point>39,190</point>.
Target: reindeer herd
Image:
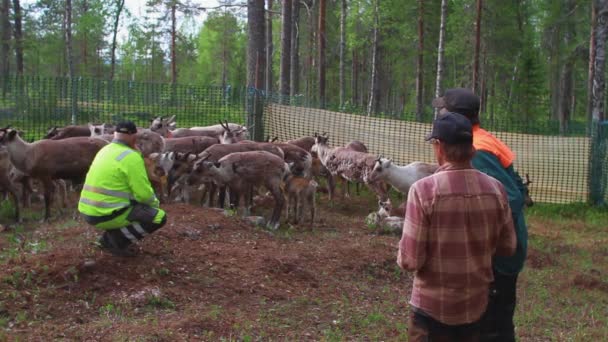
<point>216,160</point>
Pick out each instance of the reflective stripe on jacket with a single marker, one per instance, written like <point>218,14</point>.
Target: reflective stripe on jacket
<point>116,177</point>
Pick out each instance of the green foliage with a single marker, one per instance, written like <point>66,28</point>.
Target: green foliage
<point>221,52</point>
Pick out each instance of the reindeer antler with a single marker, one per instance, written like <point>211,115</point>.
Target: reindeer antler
<point>528,181</point>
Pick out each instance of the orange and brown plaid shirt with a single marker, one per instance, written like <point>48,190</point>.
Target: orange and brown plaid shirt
<point>455,221</point>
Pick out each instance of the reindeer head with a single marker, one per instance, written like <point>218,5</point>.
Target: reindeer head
<point>380,168</point>
<point>97,130</point>
<point>53,131</point>
<point>162,125</point>
<point>231,136</point>
<point>203,171</point>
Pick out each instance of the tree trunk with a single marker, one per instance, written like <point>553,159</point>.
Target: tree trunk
<point>294,76</point>
<point>173,47</point>
<point>84,69</point>
<point>591,63</point>
<point>342,51</point>
<point>354,75</point>
<point>321,66</point>
<point>420,64</point>
<point>18,36</point>
<point>566,77</point>
<point>440,52</point>
<point>269,47</point>
<point>371,105</point>
<point>70,56</point>
<point>601,34</point>
<point>5,37</point>
<point>477,46</point>
<point>119,6</point>
<point>256,61</point>
<point>286,47</point>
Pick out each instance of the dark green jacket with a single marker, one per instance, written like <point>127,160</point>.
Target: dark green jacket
<point>489,164</point>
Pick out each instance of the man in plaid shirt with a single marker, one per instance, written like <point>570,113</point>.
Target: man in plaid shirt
<point>456,221</point>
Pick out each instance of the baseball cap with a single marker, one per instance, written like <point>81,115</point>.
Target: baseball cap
<point>452,128</point>
<point>459,100</point>
<point>126,127</point>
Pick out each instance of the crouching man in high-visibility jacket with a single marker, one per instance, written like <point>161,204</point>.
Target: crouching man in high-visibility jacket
<point>117,196</point>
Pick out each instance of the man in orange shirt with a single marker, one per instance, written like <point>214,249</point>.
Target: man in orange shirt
<point>494,158</point>
<point>456,220</point>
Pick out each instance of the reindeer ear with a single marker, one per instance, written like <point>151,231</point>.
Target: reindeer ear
<point>154,155</point>
<point>191,157</point>
<point>11,135</point>
<point>171,119</point>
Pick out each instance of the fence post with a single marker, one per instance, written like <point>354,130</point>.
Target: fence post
<point>74,100</point>
<point>598,163</point>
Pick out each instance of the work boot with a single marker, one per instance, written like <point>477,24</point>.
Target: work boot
<point>107,244</point>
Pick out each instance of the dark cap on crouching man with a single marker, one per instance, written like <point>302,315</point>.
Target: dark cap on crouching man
<point>455,221</point>
<point>117,196</point>
<point>493,157</point>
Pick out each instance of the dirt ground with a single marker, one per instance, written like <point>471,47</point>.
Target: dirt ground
<point>208,276</point>
<point>204,276</point>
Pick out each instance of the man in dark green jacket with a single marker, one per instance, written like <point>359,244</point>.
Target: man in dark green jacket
<point>494,158</point>
<point>117,196</point>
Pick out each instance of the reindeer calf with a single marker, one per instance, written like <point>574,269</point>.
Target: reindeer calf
<point>300,193</point>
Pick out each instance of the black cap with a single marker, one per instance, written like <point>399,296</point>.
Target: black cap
<point>452,128</point>
<point>459,100</point>
<point>126,127</point>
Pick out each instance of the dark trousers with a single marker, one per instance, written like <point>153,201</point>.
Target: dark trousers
<point>140,220</point>
<point>423,328</point>
<point>134,232</point>
<point>497,322</point>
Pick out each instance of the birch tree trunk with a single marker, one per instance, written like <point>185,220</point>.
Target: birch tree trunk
<point>294,76</point>
<point>601,34</point>
<point>371,105</point>
<point>342,51</point>
<point>420,64</point>
<point>441,50</point>
<point>321,46</point>
<point>286,47</point>
<point>173,46</point>
<point>477,46</point>
<point>119,6</point>
<point>269,47</point>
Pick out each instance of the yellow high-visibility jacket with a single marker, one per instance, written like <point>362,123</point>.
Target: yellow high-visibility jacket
<point>116,177</point>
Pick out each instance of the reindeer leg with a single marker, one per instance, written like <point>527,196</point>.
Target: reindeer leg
<point>48,195</point>
<point>13,193</point>
<point>331,184</point>
<point>297,209</point>
<point>222,196</point>
<point>248,200</point>
<point>279,200</point>
<point>312,209</point>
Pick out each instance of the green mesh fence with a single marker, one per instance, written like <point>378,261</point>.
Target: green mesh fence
<point>557,165</point>
<point>35,104</point>
<point>562,168</point>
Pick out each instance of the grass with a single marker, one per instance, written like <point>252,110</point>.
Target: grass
<point>569,281</point>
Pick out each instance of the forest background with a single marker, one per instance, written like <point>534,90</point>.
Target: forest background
<point>529,60</point>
